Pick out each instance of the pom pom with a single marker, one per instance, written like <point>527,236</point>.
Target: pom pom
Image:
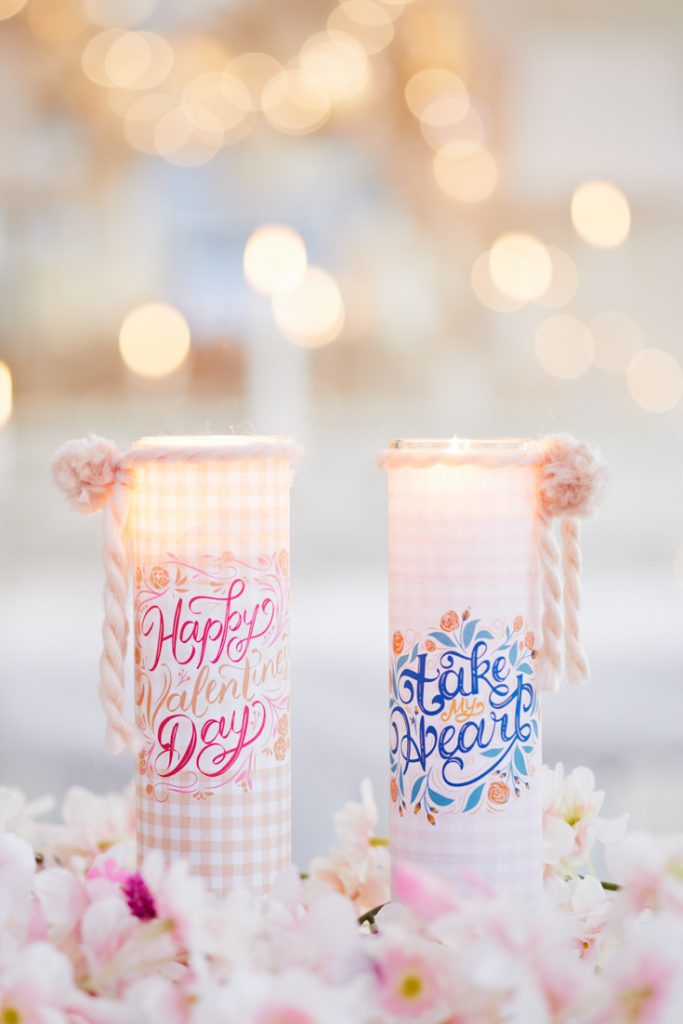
<point>86,471</point>
<point>573,477</point>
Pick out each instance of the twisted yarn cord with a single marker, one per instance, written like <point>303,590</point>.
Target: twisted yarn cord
<point>576,663</point>
<point>95,475</point>
<point>120,734</point>
<point>550,664</point>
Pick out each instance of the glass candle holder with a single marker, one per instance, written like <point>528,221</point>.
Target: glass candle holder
<point>210,553</point>
<point>465,734</point>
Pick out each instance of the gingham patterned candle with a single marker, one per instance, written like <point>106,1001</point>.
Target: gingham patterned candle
<point>210,546</point>
<point>465,748</point>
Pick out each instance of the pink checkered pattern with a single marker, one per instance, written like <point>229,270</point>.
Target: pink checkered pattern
<point>233,836</point>
<point>465,537</point>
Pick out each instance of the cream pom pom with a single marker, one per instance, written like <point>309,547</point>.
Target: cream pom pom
<point>573,477</point>
<point>86,470</point>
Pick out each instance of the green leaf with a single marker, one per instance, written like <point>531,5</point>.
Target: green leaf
<point>520,763</point>
<point>468,631</point>
<point>443,638</point>
<point>492,753</point>
<point>474,799</point>
<point>417,786</point>
<point>438,799</point>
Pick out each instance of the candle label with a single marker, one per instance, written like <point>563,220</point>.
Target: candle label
<point>212,670</point>
<point>464,716</point>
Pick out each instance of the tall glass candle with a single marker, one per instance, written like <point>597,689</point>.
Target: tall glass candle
<point>210,552</point>
<point>465,740</point>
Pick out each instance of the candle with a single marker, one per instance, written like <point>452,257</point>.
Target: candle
<point>210,553</point>
<point>465,736</point>
<point>206,520</point>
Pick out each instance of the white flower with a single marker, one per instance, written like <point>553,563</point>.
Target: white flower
<point>571,822</point>
<point>92,825</point>
<point>359,867</point>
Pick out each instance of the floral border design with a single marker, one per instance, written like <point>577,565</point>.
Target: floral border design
<point>515,767</point>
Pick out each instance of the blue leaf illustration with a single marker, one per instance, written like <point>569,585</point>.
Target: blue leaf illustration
<point>534,726</point>
<point>527,750</point>
<point>474,799</point>
<point>400,786</point>
<point>484,634</point>
<point>413,655</point>
<point>492,753</point>
<point>401,662</point>
<point>520,763</point>
<point>417,786</point>
<point>440,801</point>
<point>526,669</point>
<point>443,638</point>
<point>513,654</point>
<point>468,631</point>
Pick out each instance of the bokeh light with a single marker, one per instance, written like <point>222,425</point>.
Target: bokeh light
<point>275,259</point>
<point>564,346</point>
<point>600,213</point>
<point>366,21</point>
<point>340,63</point>
<point>5,394</point>
<point>617,339</point>
<point>225,98</point>
<point>254,70</point>
<point>188,135</point>
<point>295,102</point>
<point>467,177</point>
<point>520,266</point>
<point>312,313</point>
<point>8,8</point>
<point>655,380</point>
<point>564,282</point>
<point>486,291</point>
<point>154,340</point>
<point>426,87</point>
<point>141,119</point>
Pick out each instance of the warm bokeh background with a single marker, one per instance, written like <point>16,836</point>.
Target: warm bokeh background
<point>435,163</point>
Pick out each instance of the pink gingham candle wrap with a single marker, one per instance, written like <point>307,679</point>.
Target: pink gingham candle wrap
<point>210,557</point>
<point>465,738</point>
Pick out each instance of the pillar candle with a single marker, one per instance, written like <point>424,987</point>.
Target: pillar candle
<point>210,556</point>
<point>465,735</point>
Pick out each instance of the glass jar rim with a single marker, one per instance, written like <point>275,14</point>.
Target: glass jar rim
<point>207,440</point>
<point>464,445</point>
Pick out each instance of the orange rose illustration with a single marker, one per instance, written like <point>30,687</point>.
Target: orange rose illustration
<point>529,641</point>
<point>138,574</point>
<point>159,577</point>
<point>430,645</point>
<point>499,792</point>
<point>518,623</point>
<point>283,725</point>
<point>449,621</point>
<point>398,642</point>
<point>280,748</point>
<point>283,561</point>
<point>394,790</point>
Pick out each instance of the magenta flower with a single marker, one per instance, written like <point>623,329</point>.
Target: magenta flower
<point>138,897</point>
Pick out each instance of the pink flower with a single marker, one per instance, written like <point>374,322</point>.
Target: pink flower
<point>410,973</point>
<point>650,871</point>
<point>424,894</point>
<point>36,987</point>
<point>138,897</point>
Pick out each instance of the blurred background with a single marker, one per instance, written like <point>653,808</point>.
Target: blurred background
<point>348,223</point>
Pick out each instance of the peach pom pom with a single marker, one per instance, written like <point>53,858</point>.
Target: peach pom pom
<point>573,477</point>
<point>85,471</point>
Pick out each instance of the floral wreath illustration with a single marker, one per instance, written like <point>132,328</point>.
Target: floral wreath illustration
<point>172,576</point>
<point>512,763</point>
